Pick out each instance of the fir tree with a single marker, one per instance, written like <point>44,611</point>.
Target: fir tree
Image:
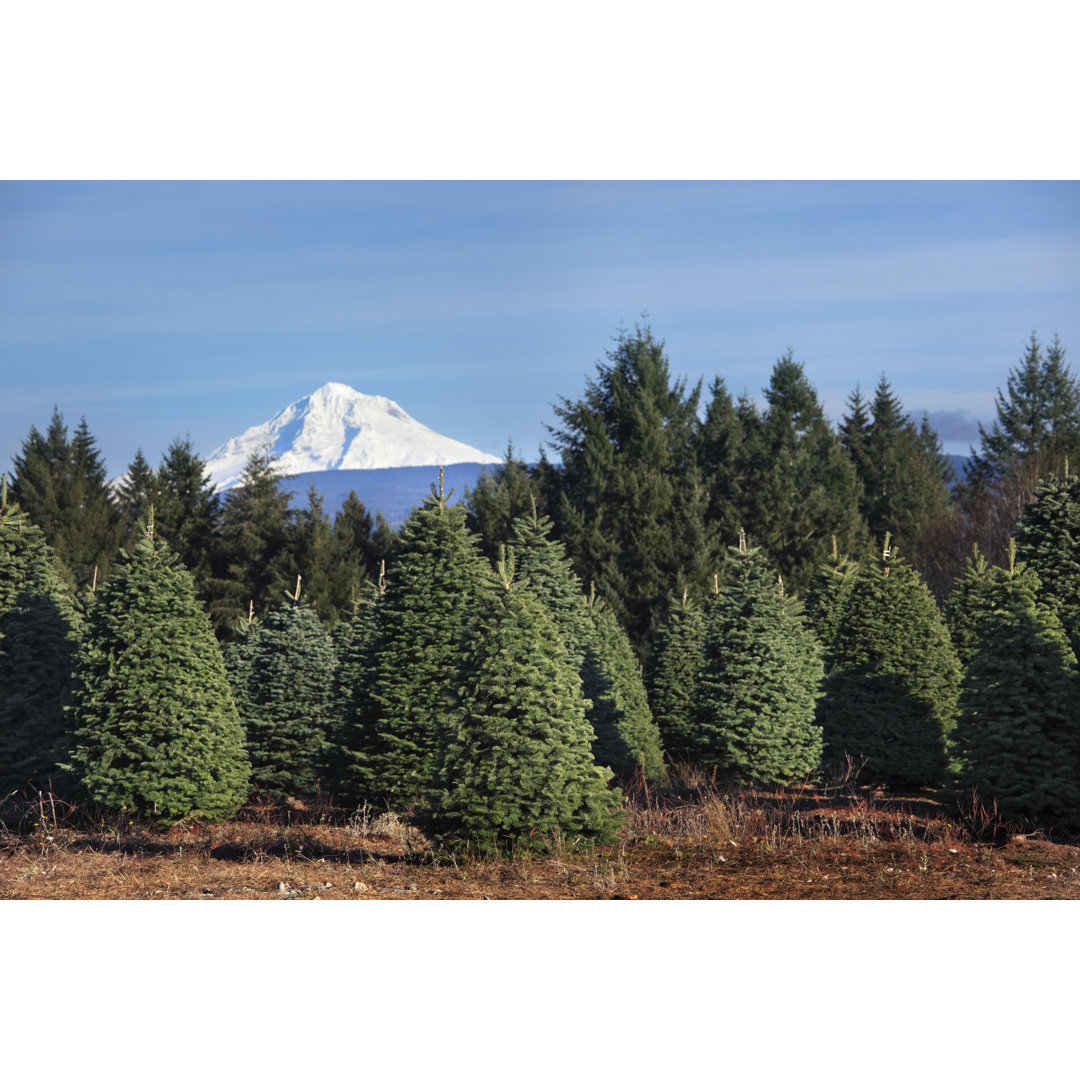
<point>799,487</point>
<point>331,581</point>
<point>285,682</point>
<point>394,726</point>
<point>827,595</point>
<point>759,681</point>
<point>501,496</point>
<point>969,603</point>
<point>904,473</point>
<point>515,767</point>
<point>157,731</point>
<point>135,493</point>
<point>628,498</point>
<point>673,679</point>
<point>629,740</point>
<point>1018,735</point>
<point>38,641</point>
<point>617,707</point>
<point>62,486</point>
<point>255,555</point>
<point>891,688</point>
<point>187,512</point>
<point>1048,541</point>
<point>1036,430</point>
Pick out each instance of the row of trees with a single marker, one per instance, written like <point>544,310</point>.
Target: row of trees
<point>497,705</point>
<point>652,479</point>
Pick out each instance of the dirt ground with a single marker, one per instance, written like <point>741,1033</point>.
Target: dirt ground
<point>686,846</point>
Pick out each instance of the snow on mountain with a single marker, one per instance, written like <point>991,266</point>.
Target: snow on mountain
<point>337,427</point>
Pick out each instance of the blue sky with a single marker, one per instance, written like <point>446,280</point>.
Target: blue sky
<point>160,309</point>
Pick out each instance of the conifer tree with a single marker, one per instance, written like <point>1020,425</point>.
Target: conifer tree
<point>1018,734</point>
<point>969,603</point>
<point>1036,430</point>
<point>187,513</point>
<point>353,641</point>
<point>157,731</point>
<point>62,486</point>
<point>799,486</point>
<point>501,496</point>
<point>330,581</point>
<point>1048,541</point>
<point>254,539</point>
<point>673,679</point>
<point>628,498</point>
<point>394,724</point>
<point>285,683</point>
<point>135,493</point>
<point>38,641</point>
<point>904,473</point>
<point>718,448</point>
<point>629,741</point>
<point>891,688</point>
<point>759,681</point>
<point>515,766</point>
<point>616,705</point>
<point>352,545</point>
<point>826,596</point>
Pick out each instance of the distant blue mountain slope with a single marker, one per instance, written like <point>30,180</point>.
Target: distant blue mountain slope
<point>393,491</point>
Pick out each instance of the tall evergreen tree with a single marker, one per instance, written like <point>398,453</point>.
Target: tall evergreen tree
<point>188,512</point>
<point>135,493</point>
<point>759,681</point>
<point>330,580</point>
<point>1037,428</point>
<point>515,766</point>
<point>254,539</point>
<point>800,488</point>
<point>719,444</point>
<point>394,724</point>
<point>891,688</point>
<point>62,486</point>
<point>1018,734</point>
<point>1048,541</point>
<point>157,731</point>
<point>501,496</point>
<point>904,473</point>
<point>628,497</point>
<point>38,640</point>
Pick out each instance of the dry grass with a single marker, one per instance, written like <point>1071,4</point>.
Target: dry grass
<point>691,839</point>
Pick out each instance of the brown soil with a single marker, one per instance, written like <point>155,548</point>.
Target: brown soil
<point>676,845</point>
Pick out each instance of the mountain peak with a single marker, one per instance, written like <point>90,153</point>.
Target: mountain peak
<point>337,427</point>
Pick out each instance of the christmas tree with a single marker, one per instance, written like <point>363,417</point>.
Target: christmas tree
<point>1048,541</point>
<point>673,679</point>
<point>157,731</point>
<point>893,679</point>
<point>1018,735</point>
<point>759,680</point>
<point>38,642</point>
<point>285,679</point>
<point>617,707</point>
<point>515,767</point>
<point>394,723</point>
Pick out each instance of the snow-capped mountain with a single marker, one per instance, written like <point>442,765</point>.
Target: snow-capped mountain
<point>337,427</point>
